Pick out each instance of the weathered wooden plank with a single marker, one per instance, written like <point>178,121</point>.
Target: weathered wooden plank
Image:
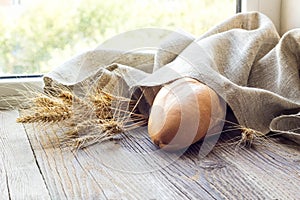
<point>156,167</point>
<point>65,177</point>
<point>21,176</point>
<point>230,172</point>
<point>71,176</point>
<point>133,168</point>
<point>136,182</point>
<point>4,190</point>
<point>252,173</point>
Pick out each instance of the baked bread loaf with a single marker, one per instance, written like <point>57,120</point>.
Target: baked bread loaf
<point>182,113</point>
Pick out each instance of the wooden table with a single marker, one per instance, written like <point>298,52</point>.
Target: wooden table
<point>133,168</point>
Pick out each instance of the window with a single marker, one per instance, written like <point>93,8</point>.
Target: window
<point>38,35</point>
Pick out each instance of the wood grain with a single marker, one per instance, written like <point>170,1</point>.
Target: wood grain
<point>133,168</point>
<point>20,175</point>
<point>4,188</point>
<point>258,172</point>
<point>65,177</point>
<point>90,174</point>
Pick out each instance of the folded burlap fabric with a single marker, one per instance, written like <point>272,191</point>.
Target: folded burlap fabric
<point>243,59</point>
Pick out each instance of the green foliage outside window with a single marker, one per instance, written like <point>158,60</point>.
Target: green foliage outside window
<point>39,35</point>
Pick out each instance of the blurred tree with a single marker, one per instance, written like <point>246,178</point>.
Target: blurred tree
<point>46,33</point>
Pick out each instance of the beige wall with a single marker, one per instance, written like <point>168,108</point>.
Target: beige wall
<point>290,15</point>
<point>270,8</point>
<point>285,14</point>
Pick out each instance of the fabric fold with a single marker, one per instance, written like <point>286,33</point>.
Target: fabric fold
<point>243,59</point>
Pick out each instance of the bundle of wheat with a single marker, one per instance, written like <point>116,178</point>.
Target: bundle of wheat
<point>94,117</point>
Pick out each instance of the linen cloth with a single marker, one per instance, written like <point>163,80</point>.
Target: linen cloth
<point>243,59</point>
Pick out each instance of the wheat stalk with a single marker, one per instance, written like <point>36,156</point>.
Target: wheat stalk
<point>248,136</point>
<point>48,114</point>
<point>91,132</point>
<point>44,101</point>
<point>97,117</point>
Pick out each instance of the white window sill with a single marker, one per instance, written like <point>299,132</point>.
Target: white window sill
<point>14,90</point>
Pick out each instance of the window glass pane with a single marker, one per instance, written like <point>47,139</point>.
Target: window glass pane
<point>37,35</point>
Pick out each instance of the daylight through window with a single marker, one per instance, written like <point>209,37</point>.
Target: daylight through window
<point>37,35</point>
